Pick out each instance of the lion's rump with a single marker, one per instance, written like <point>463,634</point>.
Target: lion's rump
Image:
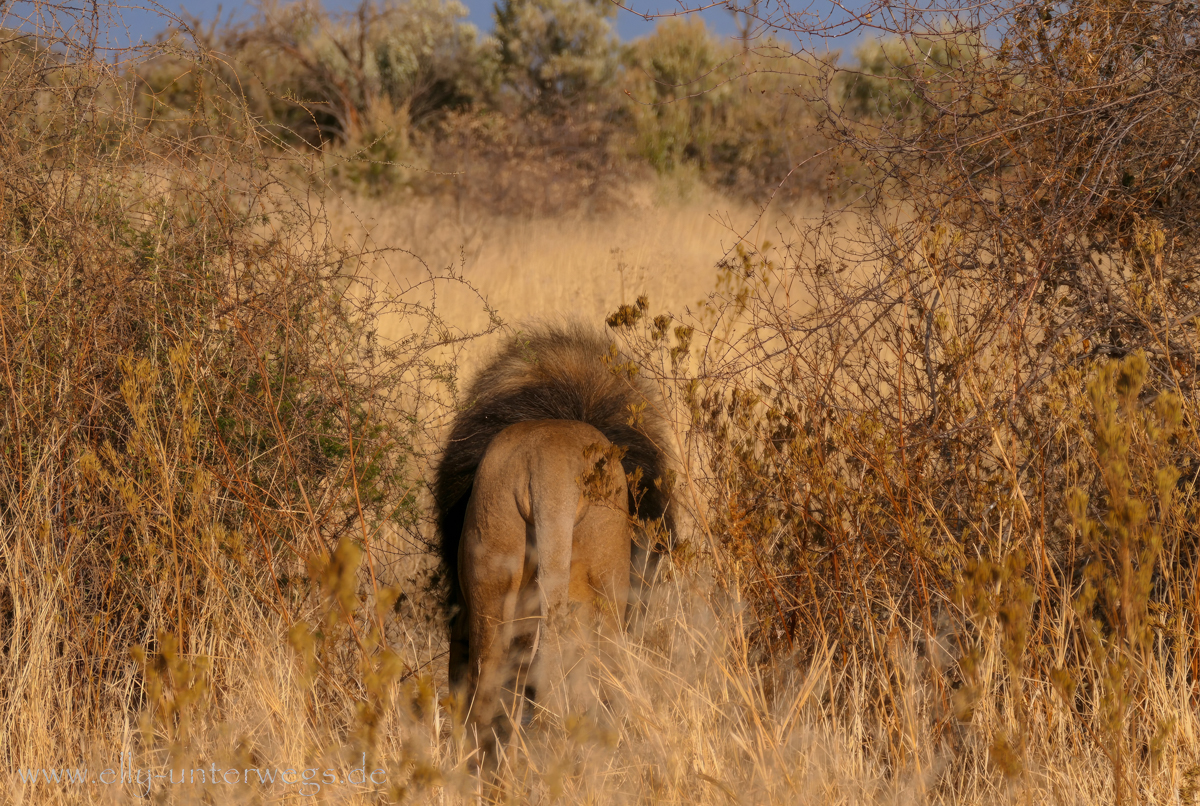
<point>553,373</point>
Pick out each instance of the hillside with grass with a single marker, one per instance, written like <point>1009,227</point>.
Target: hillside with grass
<point>924,319</point>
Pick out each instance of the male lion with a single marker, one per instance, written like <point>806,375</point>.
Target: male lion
<point>534,494</point>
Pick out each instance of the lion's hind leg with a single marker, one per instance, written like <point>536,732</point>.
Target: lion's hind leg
<point>602,546</point>
<point>585,584</point>
<point>551,523</point>
<point>492,568</point>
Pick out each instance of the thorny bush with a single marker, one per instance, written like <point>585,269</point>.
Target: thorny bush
<point>961,407</point>
<point>202,431</point>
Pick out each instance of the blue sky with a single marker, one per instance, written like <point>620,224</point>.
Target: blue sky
<point>129,25</point>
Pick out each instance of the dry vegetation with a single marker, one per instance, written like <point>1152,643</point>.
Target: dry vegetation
<point>938,444</point>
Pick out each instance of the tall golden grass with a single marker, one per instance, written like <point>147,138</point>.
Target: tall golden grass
<point>912,567</point>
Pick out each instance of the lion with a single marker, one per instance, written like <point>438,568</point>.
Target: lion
<point>552,497</point>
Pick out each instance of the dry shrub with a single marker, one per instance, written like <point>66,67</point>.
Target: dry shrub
<point>973,422</point>
<point>203,434</point>
<point>531,167</point>
<point>1040,571</point>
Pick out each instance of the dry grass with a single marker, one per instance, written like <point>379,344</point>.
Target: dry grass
<point>692,712</point>
<point>665,243</point>
<point>687,717</point>
<point>900,580</point>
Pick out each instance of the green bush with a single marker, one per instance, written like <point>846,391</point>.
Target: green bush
<point>737,117</point>
<point>365,76</point>
<point>556,52</point>
<point>903,78</point>
<point>676,78</point>
<point>408,84</point>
